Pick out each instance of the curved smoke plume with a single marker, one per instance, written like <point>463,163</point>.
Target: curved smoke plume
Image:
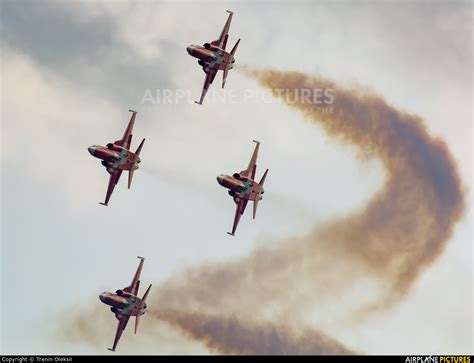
<point>382,247</point>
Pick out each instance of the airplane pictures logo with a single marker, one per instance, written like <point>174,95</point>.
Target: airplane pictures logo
<point>438,359</point>
<point>317,96</point>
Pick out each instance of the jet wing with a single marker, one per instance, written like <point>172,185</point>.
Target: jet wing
<point>210,75</point>
<point>252,167</point>
<point>123,320</point>
<point>113,180</point>
<point>133,288</point>
<point>126,139</point>
<point>222,41</point>
<point>239,210</point>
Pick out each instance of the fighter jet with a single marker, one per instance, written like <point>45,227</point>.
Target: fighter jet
<point>117,157</point>
<point>213,57</point>
<point>125,303</point>
<point>242,187</point>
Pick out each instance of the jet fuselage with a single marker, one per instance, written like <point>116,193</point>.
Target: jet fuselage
<point>241,187</point>
<point>124,303</point>
<point>115,156</point>
<point>211,57</point>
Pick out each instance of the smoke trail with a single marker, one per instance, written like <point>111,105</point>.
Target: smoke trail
<point>228,335</point>
<point>410,220</point>
<point>383,247</point>
<point>367,260</point>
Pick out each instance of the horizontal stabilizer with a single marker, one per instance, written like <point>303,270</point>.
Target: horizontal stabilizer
<point>224,76</point>
<point>137,319</point>
<point>255,206</point>
<point>130,177</point>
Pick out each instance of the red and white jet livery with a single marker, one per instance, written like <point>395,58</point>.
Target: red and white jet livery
<point>125,303</point>
<point>242,187</point>
<point>213,57</point>
<point>117,157</point>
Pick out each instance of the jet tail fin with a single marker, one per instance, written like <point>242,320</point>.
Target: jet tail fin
<point>137,153</point>
<point>235,48</point>
<point>255,202</point>
<point>146,294</point>
<point>262,181</point>
<point>139,149</point>
<point>137,318</point>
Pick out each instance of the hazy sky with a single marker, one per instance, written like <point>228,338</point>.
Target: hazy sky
<point>70,72</point>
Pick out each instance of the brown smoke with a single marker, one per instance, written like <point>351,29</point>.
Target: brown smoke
<point>340,271</point>
<point>385,245</point>
<point>408,222</point>
<point>229,335</point>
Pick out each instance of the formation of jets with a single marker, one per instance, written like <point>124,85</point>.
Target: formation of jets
<point>116,157</point>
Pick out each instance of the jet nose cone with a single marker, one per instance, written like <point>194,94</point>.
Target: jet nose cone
<point>220,179</point>
<point>103,296</point>
<point>91,150</point>
<point>190,50</point>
